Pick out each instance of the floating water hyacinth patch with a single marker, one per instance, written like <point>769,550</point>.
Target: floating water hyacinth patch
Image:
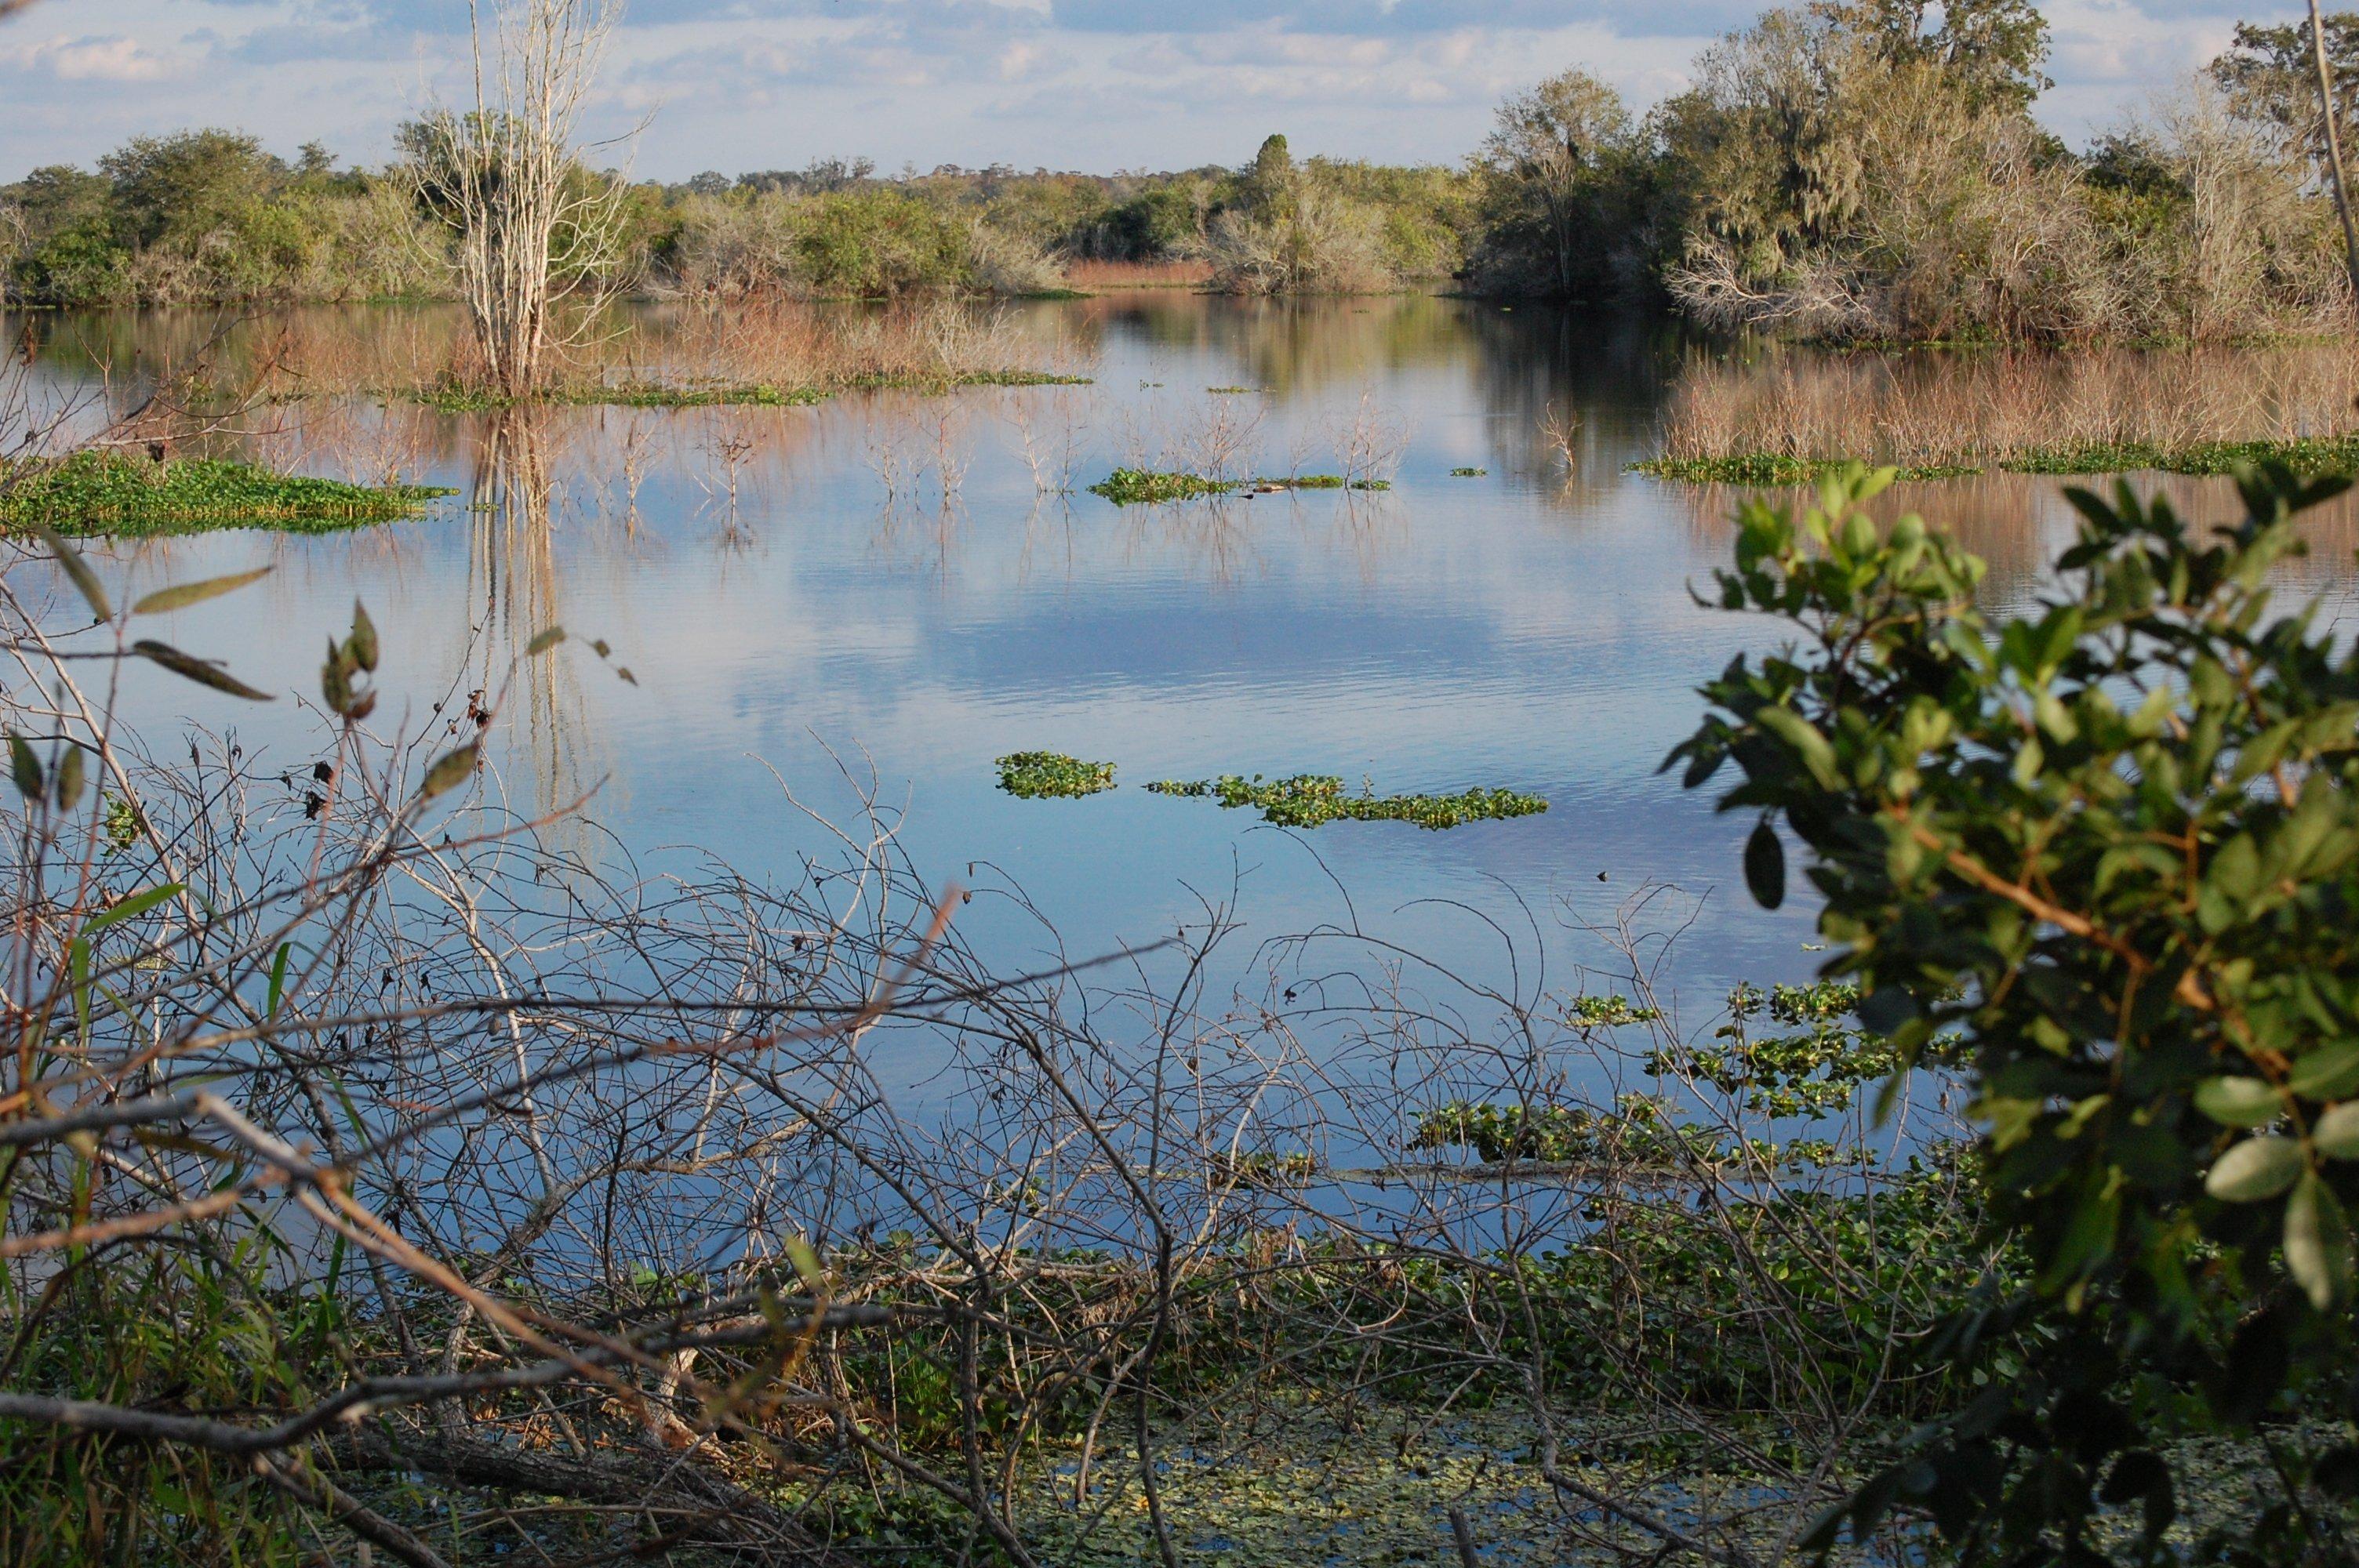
<point>1312,800</point>
<point>1468,473</point>
<point>1037,775</point>
<point>123,492</point>
<point>1147,487</point>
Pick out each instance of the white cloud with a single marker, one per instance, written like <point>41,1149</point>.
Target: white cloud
<point>1091,84</point>
<point>118,58</point>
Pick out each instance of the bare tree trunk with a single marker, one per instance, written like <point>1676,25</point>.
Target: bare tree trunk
<point>534,226</point>
<point>2335,150</point>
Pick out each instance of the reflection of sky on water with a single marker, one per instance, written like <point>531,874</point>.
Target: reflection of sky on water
<point>1513,630</point>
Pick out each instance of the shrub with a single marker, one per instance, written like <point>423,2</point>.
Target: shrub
<point>2112,843</point>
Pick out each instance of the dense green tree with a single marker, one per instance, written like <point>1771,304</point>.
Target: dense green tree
<point>1993,49</point>
<point>2270,75</point>
<point>179,187</point>
<point>1558,162</point>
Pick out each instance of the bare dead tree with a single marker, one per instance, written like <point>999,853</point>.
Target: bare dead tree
<point>533,229</point>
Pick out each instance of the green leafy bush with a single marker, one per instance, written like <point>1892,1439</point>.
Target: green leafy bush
<point>2112,845</point>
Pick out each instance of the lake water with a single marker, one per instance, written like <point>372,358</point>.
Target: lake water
<point>801,637</point>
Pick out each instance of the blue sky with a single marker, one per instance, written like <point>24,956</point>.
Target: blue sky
<point>1087,84</point>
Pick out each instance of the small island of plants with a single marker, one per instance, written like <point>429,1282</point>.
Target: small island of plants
<point>99,492</point>
<point>1048,775</point>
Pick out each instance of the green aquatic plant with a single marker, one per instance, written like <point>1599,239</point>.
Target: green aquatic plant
<point>1037,775</point>
<point>1148,487</point>
<point>1312,800</point>
<point>1145,487</point>
<point>1469,473</point>
<point>122,493</point>
<point>1227,391</point>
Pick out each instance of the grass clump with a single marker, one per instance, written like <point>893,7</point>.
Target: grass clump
<point>1038,775</point>
<point>123,492</point>
<point>1312,800</point>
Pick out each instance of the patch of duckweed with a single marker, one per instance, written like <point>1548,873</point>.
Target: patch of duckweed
<point>1312,800</point>
<point>1150,487</point>
<point>1048,776</point>
<point>124,492</point>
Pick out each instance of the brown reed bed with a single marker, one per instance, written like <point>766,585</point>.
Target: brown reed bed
<point>1112,274</point>
<point>1775,418</point>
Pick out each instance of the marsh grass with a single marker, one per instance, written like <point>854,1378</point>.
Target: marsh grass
<point>120,492</point>
<point>1785,417</point>
<point>1092,276</point>
<point>755,352</point>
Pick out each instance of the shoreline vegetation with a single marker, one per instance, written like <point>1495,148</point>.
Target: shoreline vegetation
<point>1853,171</point>
<point>2336,455</point>
<point>1782,414</point>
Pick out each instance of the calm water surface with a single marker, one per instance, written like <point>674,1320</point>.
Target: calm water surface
<point>801,636</point>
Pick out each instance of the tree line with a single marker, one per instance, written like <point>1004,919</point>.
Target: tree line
<point>1852,170</point>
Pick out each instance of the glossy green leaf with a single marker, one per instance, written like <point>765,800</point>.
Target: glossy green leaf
<point>2239,1102</point>
<point>2317,1242</point>
<point>2255,1169</point>
<point>2335,1133</point>
<point>2329,1072</point>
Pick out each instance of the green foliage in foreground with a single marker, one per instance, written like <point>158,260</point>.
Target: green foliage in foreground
<point>1137,487</point>
<point>2112,845</point>
<point>1035,775</point>
<point>1311,800</point>
<point>120,492</point>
